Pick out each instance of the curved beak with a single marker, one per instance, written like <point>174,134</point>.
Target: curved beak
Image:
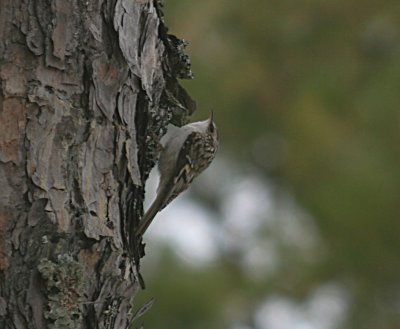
<point>211,124</point>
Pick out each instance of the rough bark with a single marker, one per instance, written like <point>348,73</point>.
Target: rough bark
<point>87,89</point>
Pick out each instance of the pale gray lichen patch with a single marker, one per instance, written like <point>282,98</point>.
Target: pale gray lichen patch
<point>66,285</point>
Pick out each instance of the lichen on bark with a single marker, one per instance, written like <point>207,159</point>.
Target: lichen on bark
<point>66,285</point>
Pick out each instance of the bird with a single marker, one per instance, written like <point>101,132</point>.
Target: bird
<point>186,152</point>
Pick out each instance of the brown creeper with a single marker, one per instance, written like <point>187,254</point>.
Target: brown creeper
<point>186,153</point>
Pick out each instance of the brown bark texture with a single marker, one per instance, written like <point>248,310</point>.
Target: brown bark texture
<point>87,90</point>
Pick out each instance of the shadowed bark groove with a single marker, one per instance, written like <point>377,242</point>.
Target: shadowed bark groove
<point>87,89</point>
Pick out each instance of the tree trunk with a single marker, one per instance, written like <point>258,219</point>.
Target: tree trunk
<point>87,89</point>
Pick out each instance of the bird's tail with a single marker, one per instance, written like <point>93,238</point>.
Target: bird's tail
<point>156,206</point>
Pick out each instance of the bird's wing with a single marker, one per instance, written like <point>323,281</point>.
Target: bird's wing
<point>188,165</point>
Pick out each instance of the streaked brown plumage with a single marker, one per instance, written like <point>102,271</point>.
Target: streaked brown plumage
<point>188,151</point>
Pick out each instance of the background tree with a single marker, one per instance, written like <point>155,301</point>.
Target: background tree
<point>87,88</point>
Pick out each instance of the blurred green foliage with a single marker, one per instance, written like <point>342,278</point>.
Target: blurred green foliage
<point>308,92</point>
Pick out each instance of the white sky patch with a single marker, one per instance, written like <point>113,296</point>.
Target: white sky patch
<point>184,225</point>
<point>325,309</point>
<point>261,260</point>
<point>328,306</point>
<point>187,228</point>
<point>245,208</point>
<point>247,205</point>
<point>280,313</point>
